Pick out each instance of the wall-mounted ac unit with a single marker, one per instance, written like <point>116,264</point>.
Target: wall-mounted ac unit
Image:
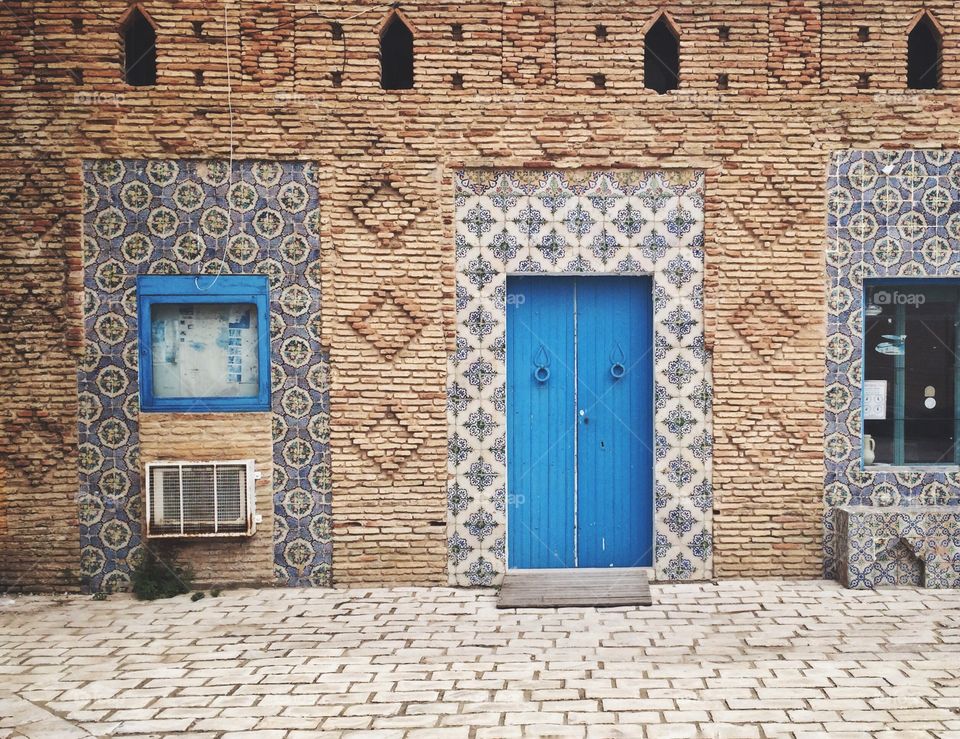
<point>194,499</point>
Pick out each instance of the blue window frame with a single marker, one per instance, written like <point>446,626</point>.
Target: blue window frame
<point>204,343</point>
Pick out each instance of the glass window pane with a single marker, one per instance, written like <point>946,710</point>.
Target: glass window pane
<point>910,373</point>
<point>928,379</point>
<point>204,350</point>
<point>880,359</point>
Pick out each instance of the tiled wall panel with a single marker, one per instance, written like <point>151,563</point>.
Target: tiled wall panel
<point>890,214</point>
<point>190,217</point>
<point>579,222</point>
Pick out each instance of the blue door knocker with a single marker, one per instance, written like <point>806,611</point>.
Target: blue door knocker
<point>541,361</point>
<point>617,370</point>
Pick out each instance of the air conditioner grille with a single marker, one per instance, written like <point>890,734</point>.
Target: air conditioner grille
<point>200,498</point>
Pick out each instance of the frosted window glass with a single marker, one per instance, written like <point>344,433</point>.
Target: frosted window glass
<point>204,350</point>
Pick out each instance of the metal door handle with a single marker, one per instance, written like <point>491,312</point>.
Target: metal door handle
<point>541,363</point>
<point>617,370</point>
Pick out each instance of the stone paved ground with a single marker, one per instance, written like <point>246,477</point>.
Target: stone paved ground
<point>738,659</point>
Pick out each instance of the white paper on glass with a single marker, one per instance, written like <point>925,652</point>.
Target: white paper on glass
<point>204,350</point>
<point>875,400</point>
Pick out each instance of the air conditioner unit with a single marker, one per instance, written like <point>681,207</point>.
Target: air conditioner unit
<point>200,499</point>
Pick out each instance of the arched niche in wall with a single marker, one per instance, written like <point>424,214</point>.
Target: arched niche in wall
<point>661,54</point>
<point>138,35</point>
<point>396,53</point>
<point>924,52</point>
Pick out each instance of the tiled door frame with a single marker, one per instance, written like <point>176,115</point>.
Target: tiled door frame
<point>575,222</point>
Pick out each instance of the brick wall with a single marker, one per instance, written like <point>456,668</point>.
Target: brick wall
<point>386,162</point>
<point>3,503</point>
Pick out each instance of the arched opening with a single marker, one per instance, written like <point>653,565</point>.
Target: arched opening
<point>896,564</point>
<point>396,55</point>
<point>139,49</point>
<point>924,58</point>
<point>661,57</point>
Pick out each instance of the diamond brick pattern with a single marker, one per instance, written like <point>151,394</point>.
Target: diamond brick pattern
<point>389,441</point>
<point>389,321</point>
<point>386,211</point>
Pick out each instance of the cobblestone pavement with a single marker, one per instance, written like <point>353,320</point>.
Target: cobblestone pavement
<point>737,659</point>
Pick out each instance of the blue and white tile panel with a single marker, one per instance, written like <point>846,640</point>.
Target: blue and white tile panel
<point>624,222</point>
<point>890,214</point>
<point>188,217</point>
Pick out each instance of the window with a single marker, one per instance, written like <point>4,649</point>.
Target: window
<point>661,57</point>
<point>911,373</point>
<point>204,343</point>
<point>924,55</point>
<point>139,49</point>
<point>396,55</point>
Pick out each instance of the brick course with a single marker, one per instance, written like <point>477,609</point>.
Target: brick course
<point>528,100</point>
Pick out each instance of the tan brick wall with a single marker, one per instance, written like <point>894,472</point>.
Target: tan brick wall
<point>385,162</point>
<point>201,437</point>
<point>3,503</point>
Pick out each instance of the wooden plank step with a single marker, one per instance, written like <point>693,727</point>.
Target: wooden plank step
<point>590,588</point>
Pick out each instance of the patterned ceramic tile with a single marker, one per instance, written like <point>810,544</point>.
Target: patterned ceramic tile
<point>579,222</point>
<point>890,214</point>
<point>882,547</point>
<point>182,217</point>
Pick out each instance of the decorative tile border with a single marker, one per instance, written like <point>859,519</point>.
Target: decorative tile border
<point>579,222</point>
<point>879,547</point>
<point>182,217</point>
<point>890,214</point>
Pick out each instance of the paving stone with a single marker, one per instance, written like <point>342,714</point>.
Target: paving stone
<point>155,726</point>
<point>712,661</point>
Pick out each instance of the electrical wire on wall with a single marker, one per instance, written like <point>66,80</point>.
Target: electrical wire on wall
<point>230,117</point>
<point>223,257</point>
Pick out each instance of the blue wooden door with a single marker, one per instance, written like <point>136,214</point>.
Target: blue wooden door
<point>614,422</point>
<point>579,422</point>
<point>541,425</point>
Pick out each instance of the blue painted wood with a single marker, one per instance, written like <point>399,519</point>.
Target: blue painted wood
<point>203,286</point>
<point>615,422</point>
<point>164,289</point>
<point>540,422</point>
<point>579,422</point>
